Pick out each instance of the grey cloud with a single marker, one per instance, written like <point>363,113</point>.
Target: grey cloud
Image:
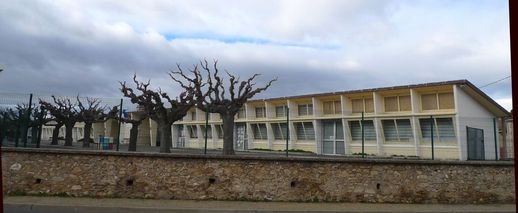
<point>48,49</point>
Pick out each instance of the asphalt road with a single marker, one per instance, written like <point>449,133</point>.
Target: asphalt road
<point>27,204</point>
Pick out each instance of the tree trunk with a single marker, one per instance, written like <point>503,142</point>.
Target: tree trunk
<point>25,133</point>
<point>34,134</point>
<point>86,135</point>
<point>228,134</point>
<point>68,134</point>
<point>165,138</point>
<point>55,134</point>
<point>2,130</point>
<point>133,137</point>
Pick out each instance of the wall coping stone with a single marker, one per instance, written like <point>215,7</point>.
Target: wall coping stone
<point>296,159</point>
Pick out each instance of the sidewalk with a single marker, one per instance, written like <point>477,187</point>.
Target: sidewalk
<point>65,204</point>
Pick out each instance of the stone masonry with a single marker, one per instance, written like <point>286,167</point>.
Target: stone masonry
<point>198,177</point>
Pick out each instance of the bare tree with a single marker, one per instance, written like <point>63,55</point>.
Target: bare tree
<point>92,112</point>
<point>213,99</point>
<point>55,132</point>
<point>11,120</point>
<point>64,111</point>
<point>38,117</point>
<point>156,109</point>
<point>135,123</point>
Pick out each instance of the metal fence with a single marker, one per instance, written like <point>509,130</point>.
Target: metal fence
<point>398,136</point>
<point>20,113</point>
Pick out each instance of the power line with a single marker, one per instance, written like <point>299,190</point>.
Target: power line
<point>494,82</point>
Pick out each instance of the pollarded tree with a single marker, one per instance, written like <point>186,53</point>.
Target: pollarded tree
<point>38,118</point>
<point>64,111</point>
<point>55,132</point>
<point>213,97</point>
<point>155,107</point>
<point>135,123</point>
<point>92,112</point>
<point>11,123</point>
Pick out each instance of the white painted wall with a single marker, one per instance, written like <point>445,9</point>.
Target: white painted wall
<point>471,113</point>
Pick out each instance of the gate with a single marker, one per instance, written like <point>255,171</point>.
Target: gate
<point>475,144</point>
<point>241,137</point>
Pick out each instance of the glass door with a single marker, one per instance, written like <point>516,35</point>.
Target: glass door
<point>333,138</point>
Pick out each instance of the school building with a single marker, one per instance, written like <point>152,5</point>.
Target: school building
<point>466,124</point>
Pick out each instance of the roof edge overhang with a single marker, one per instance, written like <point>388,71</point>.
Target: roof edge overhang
<point>481,97</point>
<point>464,84</point>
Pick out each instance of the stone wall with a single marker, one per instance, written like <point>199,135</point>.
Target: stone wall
<point>174,176</point>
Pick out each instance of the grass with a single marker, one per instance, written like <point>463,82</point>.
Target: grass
<point>289,150</point>
<point>366,154</point>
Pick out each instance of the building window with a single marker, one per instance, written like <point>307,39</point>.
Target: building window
<point>362,105</point>
<point>397,130</point>
<point>279,131</point>
<point>332,107</point>
<point>305,131</point>
<point>209,131</point>
<point>241,113</point>
<point>356,130</point>
<point>260,112</point>
<point>443,129</point>
<point>436,101</point>
<point>214,116</point>
<point>446,100</point>
<point>397,103</point>
<point>260,131</point>
<point>219,129</point>
<point>305,109</point>
<point>281,111</point>
<point>181,133</point>
<point>193,131</point>
<point>193,116</point>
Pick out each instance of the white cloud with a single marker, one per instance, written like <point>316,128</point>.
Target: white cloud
<point>87,46</point>
<point>507,103</point>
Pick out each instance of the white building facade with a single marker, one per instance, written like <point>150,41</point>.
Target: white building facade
<point>397,121</point>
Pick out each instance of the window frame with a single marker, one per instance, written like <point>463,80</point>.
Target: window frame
<point>308,112</point>
<point>284,111</point>
<point>364,104</point>
<point>305,130</point>
<point>209,131</point>
<point>398,101</point>
<point>437,100</point>
<point>360,125</point>
<point>334,109</point>
<point>241,113</point>
<point>283,133</point>
<point>397,129</point>
<point>193,130</point>
<point>260,108</point>
<point>256,126</point>
<point>437,134</point>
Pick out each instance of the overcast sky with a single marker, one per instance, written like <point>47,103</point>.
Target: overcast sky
<point>86,47</point>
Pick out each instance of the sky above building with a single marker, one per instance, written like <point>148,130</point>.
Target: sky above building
<point>87,46</point>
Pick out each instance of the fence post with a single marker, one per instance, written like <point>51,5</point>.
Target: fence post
<point>27,121</point>
<point>431,134</point>
<point>3,131</point>
<point>363,137</point>
<point>206,129</point>
<point>120,124</point>
<point>18,127</point>
<point>40,128</point>
<point>287,129</point>
<point>495,137</point>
